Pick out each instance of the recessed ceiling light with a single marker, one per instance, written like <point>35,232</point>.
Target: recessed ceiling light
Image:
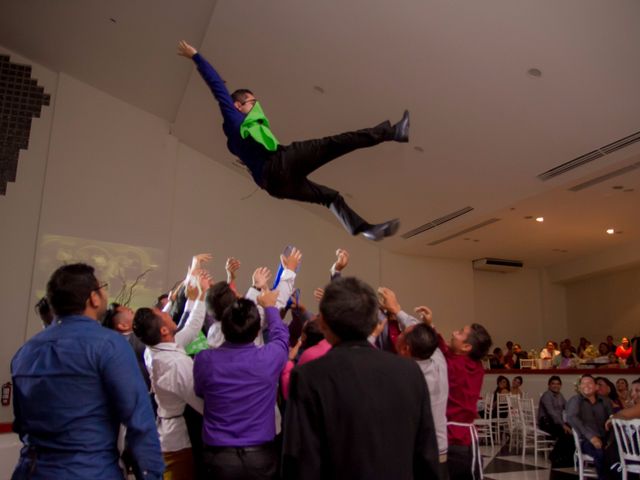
<point>418,149</point>
<point>534,72</point>
<point>610,231</point>
<point>528,217</point>
<point>113,20</point>
<point>540,219</point>
<point>617,187</point>
<point>627,190</point>
<point>318,89</point>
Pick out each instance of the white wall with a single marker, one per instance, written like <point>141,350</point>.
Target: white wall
<point>521,306</point>
<point>607,304</point>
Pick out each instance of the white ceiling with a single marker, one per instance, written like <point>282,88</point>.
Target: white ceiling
<point>486,127</point>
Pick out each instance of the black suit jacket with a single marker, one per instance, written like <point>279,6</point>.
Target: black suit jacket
<point>359,413</point>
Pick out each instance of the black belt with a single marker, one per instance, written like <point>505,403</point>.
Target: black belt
<point>251,448</point>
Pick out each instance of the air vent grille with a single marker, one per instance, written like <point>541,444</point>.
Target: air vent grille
<point>591,156</point>
<point>436,222</point>
<point>462,232</point>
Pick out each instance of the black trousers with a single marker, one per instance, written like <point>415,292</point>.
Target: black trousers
<point>286,170</point>
<point>251,463</point>
<point>459,459</point>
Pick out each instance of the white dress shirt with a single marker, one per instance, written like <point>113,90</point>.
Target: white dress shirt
<point>171,373</point>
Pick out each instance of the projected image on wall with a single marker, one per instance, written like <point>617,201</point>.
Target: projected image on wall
<point>134,273</point>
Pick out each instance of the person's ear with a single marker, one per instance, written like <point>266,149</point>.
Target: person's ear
<point>164,331</point>
<point>94,301</point>
<point>466,347</point>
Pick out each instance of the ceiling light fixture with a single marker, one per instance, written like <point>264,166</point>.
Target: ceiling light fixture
<point>610,231</point>
<point>318,89</point>
<point>540,219</point>
<point>418,149</point>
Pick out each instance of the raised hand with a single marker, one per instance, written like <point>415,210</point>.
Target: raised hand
<point>186,50</point>
<point>260,278</point>
<point>231,266</point>
<point>293,351</point>
<point>268,298</point>
<point>425,314</point>
<point>318,293</point>
<point>291,261</point>
<point>342,260</point>
<point>388,300</point>
<point>198,260</point>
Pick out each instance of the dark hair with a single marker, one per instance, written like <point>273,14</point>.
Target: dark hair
<point>509,345</point>
<point>146,326</point>
<point>69,288</point>
<point>219,297</point>
<point>499,379</point>
<point>349,308</point>
<point>109,317</point>
<point>518,377</point>
<point>241,321</point>
<point>422,341</point>
<point>312,334</point>
<point>554,378</point>
<point>480,342</point>
<point>613,393</point>
<point>497,351</point>
<point>160,298</point>
<point>240,95</point>
<point>44,311</point>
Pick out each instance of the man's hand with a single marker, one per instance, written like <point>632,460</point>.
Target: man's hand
<point>318,293</point>
<point>205,280</point>
<point>378,328</point>
<point>291,261</point>
<point>567,429</point>
<point>197,261</point>
<point>596,442</point>
<point>231,266</point>
<point>425,314</point>
<point>186,50</point>
<point>268,298</point>
<point>341,262</point>
<point>260,278</point>
<point>388,300</point>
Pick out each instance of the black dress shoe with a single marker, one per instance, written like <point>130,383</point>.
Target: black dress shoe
<point>382,230</point>
<point>401,129</point>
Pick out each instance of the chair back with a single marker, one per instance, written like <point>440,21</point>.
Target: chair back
<point>527,363</point>
<point>628,439</point>
<point>488,405</point>
<point>502,405</point>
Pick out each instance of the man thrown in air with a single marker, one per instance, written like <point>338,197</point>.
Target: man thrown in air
<point>282,170</point>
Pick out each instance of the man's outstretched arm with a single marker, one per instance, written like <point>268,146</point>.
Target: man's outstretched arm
<point>215,83</point>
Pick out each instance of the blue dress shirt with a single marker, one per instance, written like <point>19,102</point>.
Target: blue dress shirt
<point>75,383</point>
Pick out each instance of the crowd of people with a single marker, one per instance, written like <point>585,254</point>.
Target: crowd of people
<point>565,355</point>
<point>212,384</point>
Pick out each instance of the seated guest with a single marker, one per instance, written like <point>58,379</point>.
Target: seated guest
<point>551,406</point>
<point>550,410</point>
<point>566,359</point>
<point>603,354</point>
<point>622,389</point>
<point>606,388</point>
<point>567,343</point>
<point>518,355</point>
<point>549,351</point>
<point>502,385</point>
<point>582,346</point>
<point>357,412</point>
<point>624,350</point>
<point>516,386</point>
<point>610,345</point>
<point>635,391</point>
<point>496,360</point>
<point>172,380</point>
<point>238,383</point>
<point>75,383</point>
<point>587,413</point>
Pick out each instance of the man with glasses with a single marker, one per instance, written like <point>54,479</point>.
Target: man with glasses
<point>282,170</point>
<point>75,383</point>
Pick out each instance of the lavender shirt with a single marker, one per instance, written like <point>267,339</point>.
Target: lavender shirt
<point>238,383</point>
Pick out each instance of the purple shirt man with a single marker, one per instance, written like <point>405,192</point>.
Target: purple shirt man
<point>238,382</point>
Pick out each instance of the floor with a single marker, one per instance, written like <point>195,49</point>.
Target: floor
<point>500,464</point>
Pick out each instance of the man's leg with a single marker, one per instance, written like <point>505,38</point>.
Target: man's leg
<point>304,157</point>
<point>598,458</point>
<point>459,460</point>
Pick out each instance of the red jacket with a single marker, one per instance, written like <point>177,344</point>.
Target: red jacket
<point>465,383</point>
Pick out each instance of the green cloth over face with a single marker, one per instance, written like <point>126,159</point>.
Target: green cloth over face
<point>257,125</point>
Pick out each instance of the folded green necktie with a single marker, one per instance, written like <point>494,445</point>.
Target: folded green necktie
<point>257,125</point>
